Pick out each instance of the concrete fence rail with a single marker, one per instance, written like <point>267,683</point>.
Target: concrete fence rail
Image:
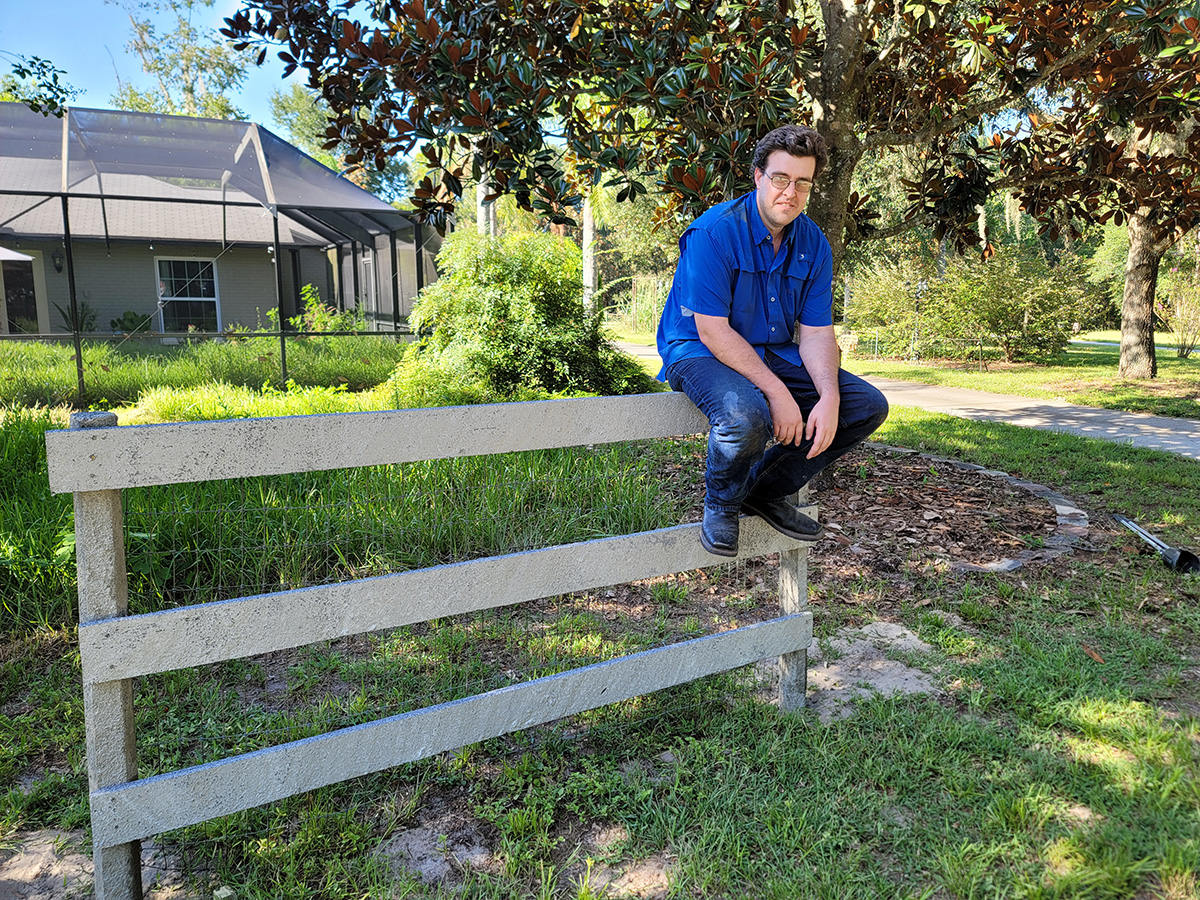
<point>95,460</point>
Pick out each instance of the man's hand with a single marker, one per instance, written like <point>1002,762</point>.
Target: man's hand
<point>822,425</point>
<point>819,350</point>
<point>787,418</point>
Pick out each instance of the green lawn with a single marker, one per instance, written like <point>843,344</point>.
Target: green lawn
<point>1085,375</point>
<point>1113,336</point>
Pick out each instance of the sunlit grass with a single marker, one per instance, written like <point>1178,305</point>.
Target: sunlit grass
<point>36,373</point>
<point>1086,375</point>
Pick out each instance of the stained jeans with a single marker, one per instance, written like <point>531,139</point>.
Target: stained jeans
<point>740,427</point>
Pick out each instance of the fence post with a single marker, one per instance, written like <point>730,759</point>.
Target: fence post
<point>793,598</point>
<point>107,706</point>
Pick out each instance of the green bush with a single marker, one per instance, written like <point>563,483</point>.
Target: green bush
<point>130,322</point>
<point>505,321</point>
<point>318,317</point>
<point>1015,301</point>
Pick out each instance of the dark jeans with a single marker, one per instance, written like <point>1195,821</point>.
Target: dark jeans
<point>739,461</point>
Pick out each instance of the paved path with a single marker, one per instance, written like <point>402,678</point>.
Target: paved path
<point>1180,436</point>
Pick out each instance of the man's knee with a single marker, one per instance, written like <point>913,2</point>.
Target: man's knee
<point>878,409</point>
<point>745,423</point>
<point>865,408</point>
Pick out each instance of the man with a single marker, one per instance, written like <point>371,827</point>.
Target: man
<point>750,271</point>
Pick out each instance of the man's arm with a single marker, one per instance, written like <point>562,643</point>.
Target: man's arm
<point>819,352</point>
<point>735,351</point>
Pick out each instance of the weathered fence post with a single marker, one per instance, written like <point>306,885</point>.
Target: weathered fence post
<point>108,705</point>
<point>793,598</point>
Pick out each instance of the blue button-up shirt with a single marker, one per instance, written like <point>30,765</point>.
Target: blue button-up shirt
<point>728,267</point>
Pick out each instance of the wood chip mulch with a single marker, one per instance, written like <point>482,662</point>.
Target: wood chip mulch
<point>891,515</point>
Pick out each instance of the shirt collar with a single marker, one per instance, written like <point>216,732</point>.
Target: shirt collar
<point>758,230</point>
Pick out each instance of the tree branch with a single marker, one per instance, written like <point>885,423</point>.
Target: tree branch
<point>883,234</point>
<point>984,107</point>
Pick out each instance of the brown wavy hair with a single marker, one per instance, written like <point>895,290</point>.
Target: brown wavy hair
<point>797,140</point>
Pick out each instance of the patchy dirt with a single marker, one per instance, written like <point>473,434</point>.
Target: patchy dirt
<point>439,849</point>
<point>50,865</point>
<point>858,662</point>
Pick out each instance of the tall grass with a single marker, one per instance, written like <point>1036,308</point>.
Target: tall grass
<point>210,541</point>
<point>37,570</point>
<point>34,373</point>
<point>205,541</point>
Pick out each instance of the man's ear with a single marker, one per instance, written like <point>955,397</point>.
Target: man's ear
<point>758,174</point>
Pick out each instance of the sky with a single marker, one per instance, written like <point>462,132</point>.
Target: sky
<point>87,39</point>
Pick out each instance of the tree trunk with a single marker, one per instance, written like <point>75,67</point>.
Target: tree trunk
<point>836,85</point>
<point>485,212</point>
<point>590,280</point>
<point>1137,306</point>
<point>827,205</point>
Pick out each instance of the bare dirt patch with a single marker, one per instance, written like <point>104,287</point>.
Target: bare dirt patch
<point>51,865</point>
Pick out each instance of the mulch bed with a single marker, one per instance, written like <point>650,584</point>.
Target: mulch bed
<point>894,517</point>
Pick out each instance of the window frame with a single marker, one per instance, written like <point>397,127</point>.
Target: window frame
<point>215,299</point>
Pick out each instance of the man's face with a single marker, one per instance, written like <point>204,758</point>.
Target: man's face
<point>779,206</point>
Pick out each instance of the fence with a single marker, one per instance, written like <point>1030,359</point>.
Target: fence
<point>872,343</point>
<point>95,461</point>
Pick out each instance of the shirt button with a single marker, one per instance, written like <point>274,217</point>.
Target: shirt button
<point>772,329</point>
<point>772,299</point>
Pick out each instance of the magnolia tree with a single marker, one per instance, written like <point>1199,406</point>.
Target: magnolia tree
<point>544,98</point>
<point>1122,144</point>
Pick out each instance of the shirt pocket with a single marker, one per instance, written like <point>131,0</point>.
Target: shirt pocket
<point>746,312</point>
<point>796,283</point>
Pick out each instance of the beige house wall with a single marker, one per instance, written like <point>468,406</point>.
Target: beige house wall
<point>124,277</point>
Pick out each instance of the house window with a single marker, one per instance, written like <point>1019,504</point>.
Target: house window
<point>187,293</point>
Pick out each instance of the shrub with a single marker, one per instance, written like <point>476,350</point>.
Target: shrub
<point>505,321</point>
<point>87,316</point>
<point>318,317</point>
<point>1179,306</point>
<point>1016,301</point>
<point>131,322</point>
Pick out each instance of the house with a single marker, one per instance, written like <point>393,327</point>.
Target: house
<point>193,224</point>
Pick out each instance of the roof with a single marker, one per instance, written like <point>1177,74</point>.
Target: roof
<point>141,175</point>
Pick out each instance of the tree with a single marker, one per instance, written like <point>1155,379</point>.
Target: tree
<point>304,117</point>
<point>194,72</point>
<point>35,82</point>
<point>1124,147</point>
<point>674,93</point>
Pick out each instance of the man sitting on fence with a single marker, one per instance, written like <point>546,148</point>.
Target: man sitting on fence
<point>751,270</point>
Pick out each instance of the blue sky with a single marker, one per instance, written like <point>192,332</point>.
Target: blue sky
<point>87,38</point>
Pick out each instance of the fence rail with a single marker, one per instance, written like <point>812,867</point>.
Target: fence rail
<point>95,461</point>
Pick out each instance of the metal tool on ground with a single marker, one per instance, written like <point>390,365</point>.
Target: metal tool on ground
<point>1175,558</point>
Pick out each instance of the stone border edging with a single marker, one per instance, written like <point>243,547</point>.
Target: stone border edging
<point>1071,521</point>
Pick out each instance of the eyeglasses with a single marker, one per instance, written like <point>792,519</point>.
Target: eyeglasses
<point>780,182</point>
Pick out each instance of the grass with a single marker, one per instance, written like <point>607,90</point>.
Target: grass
<point>1041,773</point>
<point>199,542</point>
<point>1165,339</point>
<point>1085,375</point>
<point>36,373</point>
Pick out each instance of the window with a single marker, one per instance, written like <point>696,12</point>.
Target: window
<point>187,293</point>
